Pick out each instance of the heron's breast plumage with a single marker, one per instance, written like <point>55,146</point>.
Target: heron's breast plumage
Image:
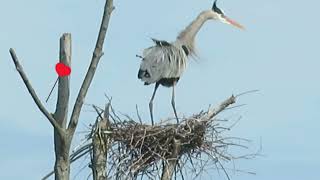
<point>163,63</point>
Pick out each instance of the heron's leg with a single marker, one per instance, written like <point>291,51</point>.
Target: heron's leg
<point>173,102</point>
<point>151,102</point>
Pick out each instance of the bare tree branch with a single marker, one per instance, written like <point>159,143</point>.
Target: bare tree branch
<point>214,111</point>
<point>92,68</point>
<point>33,93</point>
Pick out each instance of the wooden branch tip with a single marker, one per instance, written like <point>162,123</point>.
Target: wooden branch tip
<point>106,113</point>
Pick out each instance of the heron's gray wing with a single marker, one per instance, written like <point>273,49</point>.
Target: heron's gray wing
<point>155,63</point>
<point>163,62</point>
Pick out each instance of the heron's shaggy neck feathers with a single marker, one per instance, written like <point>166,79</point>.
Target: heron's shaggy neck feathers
<point>187,36</point>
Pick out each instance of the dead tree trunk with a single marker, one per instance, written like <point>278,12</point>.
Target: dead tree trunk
<point>99,160</point>
<point>62,162</point>
<point>62,142</point>
<point>170,164</point>
<point>63,134</point>
<point>100,143</point>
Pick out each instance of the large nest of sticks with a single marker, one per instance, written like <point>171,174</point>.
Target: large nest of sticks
<point>144,145</point>
<point>135,149</point>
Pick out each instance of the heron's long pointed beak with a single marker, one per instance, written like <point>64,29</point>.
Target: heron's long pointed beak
<point>233,23</point>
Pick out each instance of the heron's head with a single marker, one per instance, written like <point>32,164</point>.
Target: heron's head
<point>218,14</point>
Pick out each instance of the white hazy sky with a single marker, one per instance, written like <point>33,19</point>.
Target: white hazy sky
<point>277,54</point>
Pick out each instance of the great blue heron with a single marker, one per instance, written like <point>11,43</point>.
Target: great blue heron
<point>165,62</point>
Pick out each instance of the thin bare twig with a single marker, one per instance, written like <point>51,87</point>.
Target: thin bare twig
<point>247,92</point>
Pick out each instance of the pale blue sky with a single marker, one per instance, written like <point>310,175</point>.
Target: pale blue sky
<point>277,54</point>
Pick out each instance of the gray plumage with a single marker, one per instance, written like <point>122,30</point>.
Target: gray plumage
<point>164,62</point>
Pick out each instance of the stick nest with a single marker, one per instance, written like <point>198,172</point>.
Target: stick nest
<point>147,145</point>
<point>135,149</point>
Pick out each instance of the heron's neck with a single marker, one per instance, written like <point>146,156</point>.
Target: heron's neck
<point>187,36</point>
